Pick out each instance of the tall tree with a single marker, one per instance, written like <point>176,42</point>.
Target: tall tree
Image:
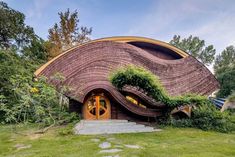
<point>196,47</point>
<point>227,82</point>
<point>225,60</point>
<point>67,33</point>
<point>13,31</point>
<point>224,68</point>
<point>36,51</point>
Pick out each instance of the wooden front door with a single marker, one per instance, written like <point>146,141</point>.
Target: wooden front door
<point>97,107</point>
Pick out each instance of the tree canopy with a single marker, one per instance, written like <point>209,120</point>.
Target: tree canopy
<point>227,82</point>
<point>224,68</point>
<point>13,30</point>
<point>225,60</point>
<point>196,47</point>
<point>67,33</point>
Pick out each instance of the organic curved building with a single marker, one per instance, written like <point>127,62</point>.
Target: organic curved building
<point>87,67</point>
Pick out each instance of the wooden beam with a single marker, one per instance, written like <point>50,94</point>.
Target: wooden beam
<point>97,100</point>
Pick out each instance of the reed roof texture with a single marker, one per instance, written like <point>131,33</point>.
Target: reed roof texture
<point>87,67</point>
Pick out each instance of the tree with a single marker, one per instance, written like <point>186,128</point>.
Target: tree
<point>225,60</point>
<point>36,51</point>
<point>66,34</point>
<point>195,47</point>
<point>227,82</point>
<point>13,31</point>
<point>224,68</point>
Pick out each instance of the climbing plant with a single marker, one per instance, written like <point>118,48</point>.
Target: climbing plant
<point>151,84</point>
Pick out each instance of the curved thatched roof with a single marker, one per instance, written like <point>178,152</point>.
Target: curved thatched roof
<point>86,67</point>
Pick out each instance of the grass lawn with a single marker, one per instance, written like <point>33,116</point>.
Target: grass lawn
<point>171,142</point>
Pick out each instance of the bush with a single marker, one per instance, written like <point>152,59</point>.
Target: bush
<point>35,102</point>
<point>186,122</point>
<point>150,83</point>
<point>207,117</point>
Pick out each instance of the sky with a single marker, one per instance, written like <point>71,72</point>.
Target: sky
<point>210,20</point>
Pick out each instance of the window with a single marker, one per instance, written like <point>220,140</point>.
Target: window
<point>135,101</point>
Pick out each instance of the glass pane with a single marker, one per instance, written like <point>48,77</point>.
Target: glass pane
<point>102,111</point>
<point>93,111</point>
<point>103,103</point>
<point>91,106</point>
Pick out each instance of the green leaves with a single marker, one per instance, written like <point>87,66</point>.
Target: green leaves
<point>150,83</point>
<point>13,31</point>
<point>196,47</point>
<point>225,61</point>
<point>66,33</point>
<point>227,82</point>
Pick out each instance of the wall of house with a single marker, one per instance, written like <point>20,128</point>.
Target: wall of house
<point>117,112</point>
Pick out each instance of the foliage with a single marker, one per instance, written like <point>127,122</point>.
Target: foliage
<point>13,31</point>
<point>11,64</point>
<point>36,51</point>
<point>196,47</point>
<point>225,61</point>
<point>66,34</point>
<point>227,82</point>
<point>38,106</point>
<point>231,98</point>
<point>24,100</point>
<point>207,117</point>
<point>144,79</point>
<point>224,68</point>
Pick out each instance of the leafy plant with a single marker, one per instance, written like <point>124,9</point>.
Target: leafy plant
<point>206,117</point>
<point>150,83</point>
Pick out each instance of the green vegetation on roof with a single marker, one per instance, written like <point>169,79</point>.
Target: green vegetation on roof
<point>151,84</point>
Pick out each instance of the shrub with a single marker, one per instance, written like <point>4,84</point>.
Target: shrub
<point>206,117</point>
<point>150,83</point>
<point>36,102</point>
<point>209,118</point>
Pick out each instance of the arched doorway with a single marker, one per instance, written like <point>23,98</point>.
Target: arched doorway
<point>97,107</point>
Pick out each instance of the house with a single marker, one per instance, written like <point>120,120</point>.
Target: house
<point>86,69</point>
